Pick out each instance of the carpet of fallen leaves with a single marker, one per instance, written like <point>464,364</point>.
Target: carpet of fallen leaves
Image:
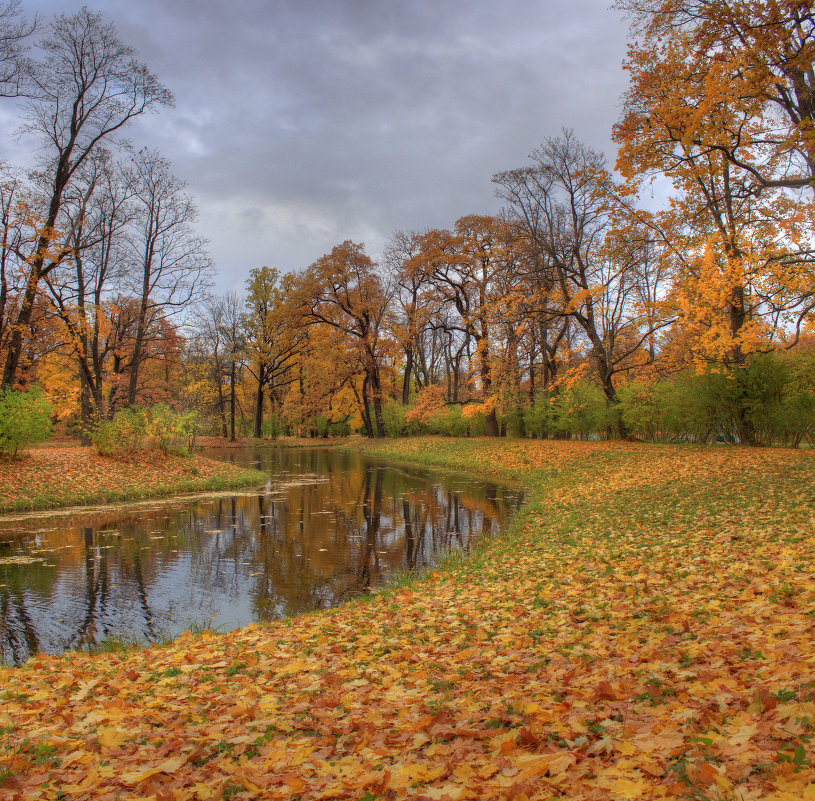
<point>45,478</point>
<point>646,630</point>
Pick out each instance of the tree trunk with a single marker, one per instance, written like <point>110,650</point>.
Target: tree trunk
<point>22,324</point>
<point>259,411</point>
<point>138,345</point>
<point>221,405</point>
<point>613,403</point>
<point>85,409</point>
<point>232,403</point>
<point>406,380</point>
<point>366,414</point>
<point>377,392</point>
<point>35,274</point>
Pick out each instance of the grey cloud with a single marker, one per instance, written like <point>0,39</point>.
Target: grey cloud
<point>300,123</point>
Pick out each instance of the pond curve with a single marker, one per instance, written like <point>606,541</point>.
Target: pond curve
<point>329,525</point>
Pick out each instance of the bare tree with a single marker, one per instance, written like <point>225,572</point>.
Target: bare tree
<point>14,29</point>
<point>219,340</point>
<point>83,289</point>
<point>410,288</point>
<point>85,89</point>
<point>170,263</point>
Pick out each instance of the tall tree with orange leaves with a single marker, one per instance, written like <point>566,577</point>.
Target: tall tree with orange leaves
<point>466,266</point>
<point>746,65</point>
<point>720,103</point>
<point>342,290</point>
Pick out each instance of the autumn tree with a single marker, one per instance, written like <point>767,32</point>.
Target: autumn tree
<point>730,76</point>
<point>720,103</point>
<point>85,89</point>
<point>233,336</point>
<point>272,336</point>
<point>82,289</point>
<point>464,266</point>
<point>414,310</point>
<point>568,207</point>
<point>342,290</point>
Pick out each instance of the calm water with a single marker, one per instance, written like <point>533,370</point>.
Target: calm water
<point>329,524</point>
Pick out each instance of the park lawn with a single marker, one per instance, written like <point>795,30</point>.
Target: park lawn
<point>644,630</point>
<point>48,478</point>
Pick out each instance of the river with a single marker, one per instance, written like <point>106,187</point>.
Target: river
<point>329,524</point>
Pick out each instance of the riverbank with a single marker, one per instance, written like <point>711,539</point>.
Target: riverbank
<point>644,630</point>
<point>56,477</point>
<point>279,442</point>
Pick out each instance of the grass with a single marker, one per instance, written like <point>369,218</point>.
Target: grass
<point>642,629</point>
<point>71,476</point>
<point>56,499</point>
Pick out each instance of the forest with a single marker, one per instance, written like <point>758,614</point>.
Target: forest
<point>576,584</point>
<point>667,295</point>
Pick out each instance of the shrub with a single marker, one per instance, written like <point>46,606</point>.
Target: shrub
<point>582,410</point>
<point>270,427</point>
<point>539,419</point>
<point>394,419</point>
<point>455,423</point>
<point>25,418</point>
<point>171,431</point>
<point>124,433</point>
<point>658,410</point>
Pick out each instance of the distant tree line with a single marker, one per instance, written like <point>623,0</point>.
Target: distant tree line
<point>580,310</point>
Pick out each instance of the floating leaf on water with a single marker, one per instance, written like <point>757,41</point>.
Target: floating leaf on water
<point>20,560</point>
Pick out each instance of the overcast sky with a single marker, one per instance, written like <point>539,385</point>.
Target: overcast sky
<point>301,123</point>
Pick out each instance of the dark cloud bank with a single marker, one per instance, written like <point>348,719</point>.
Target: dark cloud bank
<point>302,123</point>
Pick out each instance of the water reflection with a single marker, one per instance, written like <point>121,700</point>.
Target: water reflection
<point>327,525</point>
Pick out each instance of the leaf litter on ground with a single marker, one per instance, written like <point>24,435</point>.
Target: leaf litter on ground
<point>645,630</point>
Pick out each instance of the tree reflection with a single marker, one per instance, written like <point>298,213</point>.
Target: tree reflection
<point>329,525</point>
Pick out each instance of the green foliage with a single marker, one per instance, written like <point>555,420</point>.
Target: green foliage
<point>657,410</point>
<point>131,428</point>
<point>122,434</point>
<point>581,410</point>
<point>514,420</point>
<point>393,419</point>
<point>25,418</point>
<point>171,431</point>
<point>539,419</point>
<point>769,400</point>
<point>396,423</point>
<point>452,422</point>
<point>271,427</point>
<point>323,427</point>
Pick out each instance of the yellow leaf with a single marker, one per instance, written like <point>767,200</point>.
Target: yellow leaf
<point>111,737</point>
<point>451,791</point>
<point>625,788</point>
<point>561,763</point>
